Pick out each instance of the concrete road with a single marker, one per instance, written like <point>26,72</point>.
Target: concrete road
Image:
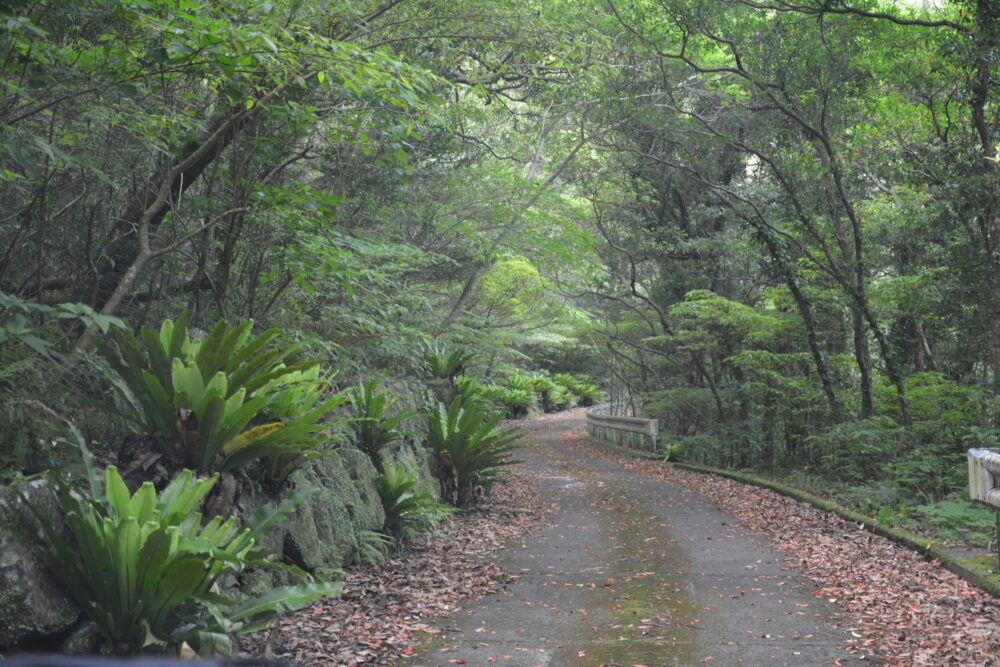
<point>631,571</point>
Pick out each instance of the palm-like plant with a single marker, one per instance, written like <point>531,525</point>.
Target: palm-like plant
<point>586,393</point>
<point>374,429</point>
<point>144,568</point>
<point>408,513</point>
<point>554,397</point>
<point>521,383</point>
<point>444,363</point>
<point>515,403</point>
<point>469,447</point>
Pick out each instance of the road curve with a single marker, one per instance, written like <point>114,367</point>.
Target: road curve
<point>632,571</point>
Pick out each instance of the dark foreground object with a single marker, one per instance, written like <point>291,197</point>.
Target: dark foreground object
<point>106,661</point>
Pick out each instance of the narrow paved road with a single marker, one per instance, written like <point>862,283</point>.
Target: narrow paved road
<point>632,571</point>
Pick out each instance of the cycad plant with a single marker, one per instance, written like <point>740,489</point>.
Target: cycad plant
<point>144,569</point>
<point>554,397</point>
<point>408,513</point>
<point>469,448</point>
<point>515,403</point>
<point>586,393</point>
<point>374,429</point>
<point>444,363</point>
<point>207,403</point>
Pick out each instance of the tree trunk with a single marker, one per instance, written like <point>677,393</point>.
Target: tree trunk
<point>863,358</point>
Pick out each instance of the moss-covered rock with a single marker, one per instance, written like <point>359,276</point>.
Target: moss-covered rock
<point>31,602</point>
<point>322,536</point>
<point>323,533</point>
<point>419,460</point>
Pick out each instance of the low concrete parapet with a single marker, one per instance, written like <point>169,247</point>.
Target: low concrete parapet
<point>984,476</point>
<point>634,432</point>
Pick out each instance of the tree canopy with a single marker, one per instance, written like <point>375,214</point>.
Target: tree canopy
<point>774,224</point>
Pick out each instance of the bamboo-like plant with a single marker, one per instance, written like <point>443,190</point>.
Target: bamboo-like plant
<point>144,569</point>
<point>469,447</point>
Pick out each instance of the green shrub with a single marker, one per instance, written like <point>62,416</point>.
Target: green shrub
<point>519,403</point>
<point>374,429</point>
<point>444,363</point>
<point>512,403</point>
<point>469,387</point>
<point>552,396</point>
<point>24,321</point>
<point>408,514</point>
<point>929,472</point>
<point>588,394</point>
<point>469,448</point>
<point>557,399</point>
<point>858,451</point>
<point>521,383</point>
<point>204,401</point>
<point>144,568</point>
<point>682,410</point>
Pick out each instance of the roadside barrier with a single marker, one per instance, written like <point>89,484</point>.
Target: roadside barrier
<point>984,482</point>
<point>634,432</point>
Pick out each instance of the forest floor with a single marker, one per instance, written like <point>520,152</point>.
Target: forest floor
<point>640,563</point>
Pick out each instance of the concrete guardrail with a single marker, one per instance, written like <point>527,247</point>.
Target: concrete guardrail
<point>984,476</point>
<point>633,432</point>
<point>984,482</point>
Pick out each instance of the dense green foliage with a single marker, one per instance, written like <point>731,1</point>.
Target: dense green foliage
<point>205,401</point>
<point>470,448</point>
<point>774,226</point>
<point>409,513</point>
<point>375,429</point>
<point>145,566</point>
<point>801,239</point>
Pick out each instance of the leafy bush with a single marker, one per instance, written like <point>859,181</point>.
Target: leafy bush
<point>469,387</point>
<point>408,514</point>
<point>930,472</point>
<point>374,429</point>
<point>586,393</point>
<point>519,403</point>
<point>145,569</point>
<point>469,448</point>
<point>858,451</point>
<point>514,403</point>
<point>681,410</point>
<point>203,400</point>
<point>22,320</point>
<point>521,383</point>
<point>552,396</point>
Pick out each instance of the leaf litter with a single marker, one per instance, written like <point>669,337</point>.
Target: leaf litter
<point>899,608</point>
<point>386,611</point>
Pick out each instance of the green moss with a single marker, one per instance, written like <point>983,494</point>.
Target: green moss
<point>418,459</point>
<point>323,533</point>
